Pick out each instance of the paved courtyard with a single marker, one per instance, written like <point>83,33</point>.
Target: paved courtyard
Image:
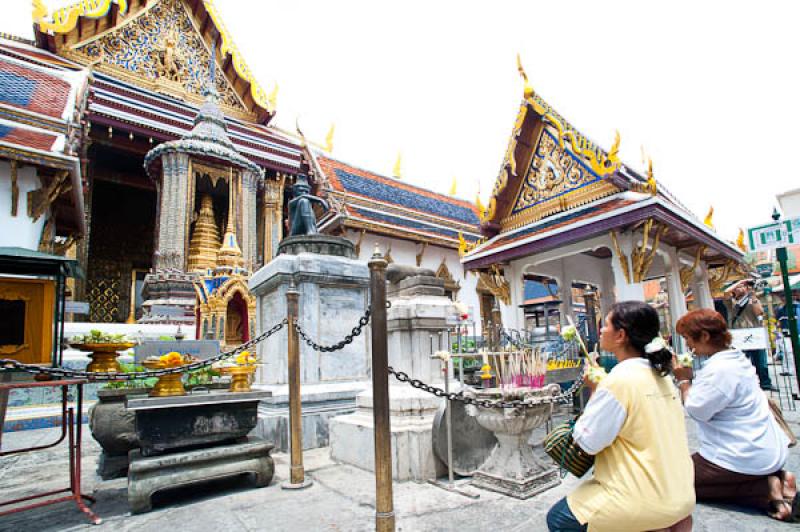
<point>341,499</point>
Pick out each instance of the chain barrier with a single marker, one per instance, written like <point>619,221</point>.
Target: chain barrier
<point>7,364</point>
<point>564,397</point>
<point>348,339</point>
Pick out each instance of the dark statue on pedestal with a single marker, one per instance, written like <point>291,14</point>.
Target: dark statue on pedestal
<point>301,208</point>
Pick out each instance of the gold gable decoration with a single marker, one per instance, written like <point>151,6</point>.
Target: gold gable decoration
<point>494,282</point>
<point>65,19</point>
<point>160,46</point>
<point>450,284</point>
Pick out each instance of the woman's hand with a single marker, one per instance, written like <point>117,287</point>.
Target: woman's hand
<point>590,385</point>
<point>681,373</point>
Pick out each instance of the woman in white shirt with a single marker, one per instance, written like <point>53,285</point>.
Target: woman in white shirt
<point>742,448</point>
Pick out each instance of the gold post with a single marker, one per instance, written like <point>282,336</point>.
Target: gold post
<point>297,478</point>
<point>384,507</point>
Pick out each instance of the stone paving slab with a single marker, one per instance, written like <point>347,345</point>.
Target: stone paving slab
<point>341,499</point>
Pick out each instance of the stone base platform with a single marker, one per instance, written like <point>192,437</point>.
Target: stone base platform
<point>148,475</point>
<point>321,403</point>
<point>412,413</point>
<point>523,488</point>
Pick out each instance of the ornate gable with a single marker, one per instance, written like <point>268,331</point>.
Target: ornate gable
<point>161,45</point>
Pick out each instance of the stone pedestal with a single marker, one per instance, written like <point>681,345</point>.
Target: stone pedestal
<point>418,313</point>
<point>148,475</point>
<point>333,296</point>
<point>114,428</point>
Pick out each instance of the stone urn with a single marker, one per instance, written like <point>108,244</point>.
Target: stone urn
<point>113,426</point>
<point>512,468</point>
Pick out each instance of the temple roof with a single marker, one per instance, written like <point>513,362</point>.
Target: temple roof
<point>39,106</point>
<point>380,204</point>
<point>76,32</point>
<point>115,103</point>
<point>208,139</point>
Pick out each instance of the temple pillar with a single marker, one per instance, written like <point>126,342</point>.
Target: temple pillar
<point>626,289</point>
<point>672,274</point>
<point>173,213</point>
<point>273,229</point>
<point>249,231</point>
<point>701,288</point>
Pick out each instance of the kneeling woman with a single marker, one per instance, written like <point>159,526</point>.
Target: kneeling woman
<point>742,448</point>
<point>634,426</point>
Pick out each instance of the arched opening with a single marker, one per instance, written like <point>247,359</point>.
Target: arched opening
<point>236,321</point>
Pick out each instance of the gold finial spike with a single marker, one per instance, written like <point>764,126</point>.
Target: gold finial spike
<point>740,240</point>
<point>300,132</point>
<point>652,185</point>
<point>528,90</point>
<point>397,170</point>
<point>329,139</point>
<point>709,218</point>
<point>273,96</point>
<point>613,153</point>
<point>453,187</point>
<point>479,205</point>
<point>39,11</point>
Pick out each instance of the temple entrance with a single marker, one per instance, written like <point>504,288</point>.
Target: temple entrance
<point>121,234</point>
<point>236,320</point>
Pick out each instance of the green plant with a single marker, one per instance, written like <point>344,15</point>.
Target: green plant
<point>96,336</point>
<point>202,376</point>
<point>166,338</point>
<point>135,383</point>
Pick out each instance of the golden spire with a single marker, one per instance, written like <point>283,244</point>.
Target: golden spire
<point>204,246</point>
<point>397,170</point>
<point>453,187</point>
<point>479,205</point>
<point>652,185</point>
<point>613,153</point>
<point>708,220</point>
<point>230,254</point>
<point>528,90</point>
<point>273,96</point>
<point>740,240</point>
<point>329,139</point>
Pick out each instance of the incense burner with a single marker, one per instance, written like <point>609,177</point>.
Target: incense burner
<point>512,468</point>
<point>103,355</point>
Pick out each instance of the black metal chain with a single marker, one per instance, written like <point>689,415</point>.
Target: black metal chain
<point>348,339</point>
<point>564,397</point>
<point>9,364</point>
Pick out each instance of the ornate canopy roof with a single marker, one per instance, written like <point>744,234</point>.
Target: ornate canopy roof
<point>557,187</point>
<point>208,140</point>
<point>365,200</point>
<point>164,45</point>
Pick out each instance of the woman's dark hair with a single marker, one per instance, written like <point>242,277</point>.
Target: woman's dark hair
<point>696,322</point>
<point>640,322</point>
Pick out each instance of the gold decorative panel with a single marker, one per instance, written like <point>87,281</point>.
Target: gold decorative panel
<point>162,46</point>
<point>27,310</point>
<point>105,282</point>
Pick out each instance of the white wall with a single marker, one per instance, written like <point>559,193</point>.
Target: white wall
<point>405,252</point>
<point>19,230</point>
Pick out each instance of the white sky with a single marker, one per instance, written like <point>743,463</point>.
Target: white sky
<point>709,88</point>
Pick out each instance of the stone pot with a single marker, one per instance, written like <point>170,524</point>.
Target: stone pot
<point>113,426</point>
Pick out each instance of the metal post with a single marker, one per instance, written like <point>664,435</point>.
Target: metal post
<point>384,505</point>
<point>297,478</point>
<point>787,292</point>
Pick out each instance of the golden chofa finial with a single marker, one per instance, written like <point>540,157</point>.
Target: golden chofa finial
<point>329,139</point>
<point>613,153</point>
<point>528,91</point>
<point>39,11</point>
<point>397,170</point>
<point>300,132</point>
<point>740,241</point>
<point>453,187</point>
<point>652,185</point>
<point>273,96</point>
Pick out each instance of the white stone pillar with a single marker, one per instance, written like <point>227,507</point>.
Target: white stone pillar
<point>701,289</point>
<point>672,274</point>
<point>625,290</point>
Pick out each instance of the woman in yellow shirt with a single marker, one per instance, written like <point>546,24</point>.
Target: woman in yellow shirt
<point>643,477</point>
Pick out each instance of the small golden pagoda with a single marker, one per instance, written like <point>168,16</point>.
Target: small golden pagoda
<point>204,247</point>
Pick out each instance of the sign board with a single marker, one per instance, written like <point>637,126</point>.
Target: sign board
<point>774,235</point>
<point>746,339</point>
<point>790,202</point>
<point>202,349</point>
<point>76,307</point>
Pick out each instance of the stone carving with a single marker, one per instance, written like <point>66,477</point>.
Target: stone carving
<point>301,208</point>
